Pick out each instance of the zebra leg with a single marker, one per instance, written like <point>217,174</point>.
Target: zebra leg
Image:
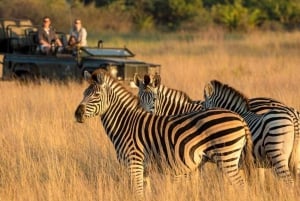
<point>136,170</point>
<point>278,148</point>
<point>280,162</point>
<point>147,183</point>
<point>233,173</point>
<point>229,165</point>
<point>281,168</point>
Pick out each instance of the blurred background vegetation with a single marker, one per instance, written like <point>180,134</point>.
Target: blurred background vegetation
<point>128,16</point>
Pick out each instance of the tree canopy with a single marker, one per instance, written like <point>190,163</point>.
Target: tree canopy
<point>165,15</point>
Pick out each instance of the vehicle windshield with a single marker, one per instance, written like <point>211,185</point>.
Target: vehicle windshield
<point>111,52</point>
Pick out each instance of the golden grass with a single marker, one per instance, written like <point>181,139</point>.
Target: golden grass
<point>46,155</point>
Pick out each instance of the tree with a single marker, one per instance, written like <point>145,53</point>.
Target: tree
<point>167,13</point>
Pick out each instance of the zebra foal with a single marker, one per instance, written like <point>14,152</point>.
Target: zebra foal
<point>179,141</point>
<point>273,131</point>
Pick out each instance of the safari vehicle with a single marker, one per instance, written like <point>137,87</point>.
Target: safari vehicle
<point>23,60</point>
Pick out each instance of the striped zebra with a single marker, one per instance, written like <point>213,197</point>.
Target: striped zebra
<point>161,100</point>
<point>273,132</point>
<point>179,141</point>
<point>261,105</point>
<point>166,101</point>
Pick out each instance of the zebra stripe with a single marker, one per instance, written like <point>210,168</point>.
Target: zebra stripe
<point>273,131</point>
<point>180,141</point>
<point>161,100</point>
<point>166,101</point>
<point>262,105</point>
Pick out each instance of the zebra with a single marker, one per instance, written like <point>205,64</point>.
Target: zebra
<point>273,132</point>
<point>145,93</point>
<point>178,141</point>
<point>161,100</point>
<point>166,101</point>
<point>261,105</point>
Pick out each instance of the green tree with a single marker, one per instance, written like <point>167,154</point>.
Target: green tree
<point>235,16</point>
<point>166,13</point>
<point>285,12</point>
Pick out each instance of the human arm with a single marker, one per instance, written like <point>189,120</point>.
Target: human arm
<point>55,38</point>
<point>82,37</point>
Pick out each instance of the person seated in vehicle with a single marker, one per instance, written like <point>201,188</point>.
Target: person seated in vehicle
<point>72,46</point>
<point>48,40</point>
<point>72,42</point>
<point>78,34</point>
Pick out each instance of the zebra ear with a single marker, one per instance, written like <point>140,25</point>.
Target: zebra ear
<point>208,90</point>
<point>99,78</point>
<point>87,76</point>
<point>136,80</point>
<point>147,79</point>
<point>156,80</point>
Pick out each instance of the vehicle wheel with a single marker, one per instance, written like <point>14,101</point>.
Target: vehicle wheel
<point>27,77</point>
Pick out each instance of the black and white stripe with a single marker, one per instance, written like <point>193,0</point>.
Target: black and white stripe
<point>261,105</point>
<point>180,141</point>
<point>273,131</point>
<point>161,100</point>
<point>166,101</point>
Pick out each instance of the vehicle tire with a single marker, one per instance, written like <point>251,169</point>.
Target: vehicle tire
<point>27,77</point>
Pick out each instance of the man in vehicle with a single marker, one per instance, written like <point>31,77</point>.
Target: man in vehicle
<point>78,34</point>
<point>48,40</point>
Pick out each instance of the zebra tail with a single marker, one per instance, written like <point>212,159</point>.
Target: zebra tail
<point>248,159</point>
<point>294,161</point>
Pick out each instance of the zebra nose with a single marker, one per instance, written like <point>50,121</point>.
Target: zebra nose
<point>79,113</point>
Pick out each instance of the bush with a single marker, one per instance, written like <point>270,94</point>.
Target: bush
<point>236,16</point>
<point>168,14</point>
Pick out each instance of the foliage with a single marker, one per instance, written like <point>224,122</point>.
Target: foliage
<point>236,16</point>
<point>147,15</point>
<point>211,3</point>
<point>168,14</point>
<point>286,12</point>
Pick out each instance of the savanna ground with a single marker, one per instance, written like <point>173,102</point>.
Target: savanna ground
<point>46,155</point>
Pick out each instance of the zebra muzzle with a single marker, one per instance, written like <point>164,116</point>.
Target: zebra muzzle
<point>79,114</point>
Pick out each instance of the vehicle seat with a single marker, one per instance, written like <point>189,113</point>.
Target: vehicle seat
<point>33,40</point>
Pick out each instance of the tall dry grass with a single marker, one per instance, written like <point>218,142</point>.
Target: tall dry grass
<point>46,155</point>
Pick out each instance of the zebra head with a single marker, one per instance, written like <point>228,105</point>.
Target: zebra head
<point>147,91</point>
<point>217,94</point>
<point>95,97</point>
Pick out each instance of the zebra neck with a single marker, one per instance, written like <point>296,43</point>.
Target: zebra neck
<point>123,108</point>
<point>234,103</point>
<point>172,101</point>
<point>174,95</point>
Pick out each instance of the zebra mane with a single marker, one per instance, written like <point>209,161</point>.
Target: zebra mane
<point>112,82</point>
<point>219,87</point>
<point>164,90</point>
